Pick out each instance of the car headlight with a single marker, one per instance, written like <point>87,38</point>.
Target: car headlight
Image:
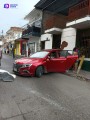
<point>26,65</point>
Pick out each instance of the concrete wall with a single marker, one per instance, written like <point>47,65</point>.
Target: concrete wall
<point>34,15</point>
<point>69,35</point>
<point>1,43</point>
<point>45,37</point>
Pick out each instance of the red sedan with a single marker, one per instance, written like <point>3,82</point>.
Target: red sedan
<point>45,61</point>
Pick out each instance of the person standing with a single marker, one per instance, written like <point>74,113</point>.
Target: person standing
<point>13,52</point>
<point>76,52</point>
<point>29,52</point>
<point>0,55</point>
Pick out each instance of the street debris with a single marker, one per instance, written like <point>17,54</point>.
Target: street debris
<point>78,76</point>
<point>6,76</point>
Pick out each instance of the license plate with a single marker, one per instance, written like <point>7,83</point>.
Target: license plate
<point>15,69</point>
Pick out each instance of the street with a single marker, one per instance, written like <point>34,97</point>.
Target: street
<point>54,96</point>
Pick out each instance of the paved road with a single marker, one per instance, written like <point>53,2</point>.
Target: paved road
<point>51,97</point>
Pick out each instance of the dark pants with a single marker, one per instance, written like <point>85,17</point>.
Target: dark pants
<point>13,55</point>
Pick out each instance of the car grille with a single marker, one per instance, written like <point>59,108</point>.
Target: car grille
<point>17,66</point>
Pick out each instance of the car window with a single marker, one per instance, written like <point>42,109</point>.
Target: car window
<point>65,53</point>
<point>70,52</point>
<point>53,55</point>
<point>39,54</point>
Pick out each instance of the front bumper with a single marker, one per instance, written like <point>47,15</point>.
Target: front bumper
<point>17,69</point>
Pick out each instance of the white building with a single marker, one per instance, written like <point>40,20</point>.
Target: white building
<point>33,30</point>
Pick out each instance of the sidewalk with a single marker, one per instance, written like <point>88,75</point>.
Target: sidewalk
<point>84,75</point>
<point>16,56</point>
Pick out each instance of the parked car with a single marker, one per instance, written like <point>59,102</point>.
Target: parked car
<point>51,60</point>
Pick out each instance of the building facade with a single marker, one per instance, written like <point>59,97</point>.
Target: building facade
<point>33,31</point>
<point>77,27</point>
<point>12,36</point>
<point>79,18</point>
<point>54,31</point>
<point>52,28</point>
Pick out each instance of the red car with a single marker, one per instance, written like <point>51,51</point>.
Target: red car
<point>46,61</point>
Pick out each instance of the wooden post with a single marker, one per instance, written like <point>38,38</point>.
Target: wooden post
<point>80,64</point>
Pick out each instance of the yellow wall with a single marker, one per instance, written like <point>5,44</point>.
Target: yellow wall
<point>17,49</point>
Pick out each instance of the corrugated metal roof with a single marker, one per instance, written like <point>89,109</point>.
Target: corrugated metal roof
<point>57,6</point>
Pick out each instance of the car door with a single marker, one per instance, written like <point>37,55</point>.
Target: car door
<point>70,61</point>
<point>55,63</point>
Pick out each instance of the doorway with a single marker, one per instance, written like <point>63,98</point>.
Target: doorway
<point>56,41</point>
<point>42,45</point>
<point>32,47</point>
<point>24,48</point>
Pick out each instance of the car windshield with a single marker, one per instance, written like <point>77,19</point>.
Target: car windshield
<point>65,53</point>
<point>39,54</point>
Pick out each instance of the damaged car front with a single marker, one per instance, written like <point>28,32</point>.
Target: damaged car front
<point>22,68</point>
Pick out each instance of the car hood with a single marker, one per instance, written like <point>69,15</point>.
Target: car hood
<point>28,60</point>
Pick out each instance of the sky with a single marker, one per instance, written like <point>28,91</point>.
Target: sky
<point>10,17</point>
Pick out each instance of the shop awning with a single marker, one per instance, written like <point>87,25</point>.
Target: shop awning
<point>80,23</point>
<point>54,31</point>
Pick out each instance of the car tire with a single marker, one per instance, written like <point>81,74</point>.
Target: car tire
<point>39,71</point>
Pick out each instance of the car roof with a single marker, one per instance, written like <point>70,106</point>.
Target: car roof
<point>51,50</point>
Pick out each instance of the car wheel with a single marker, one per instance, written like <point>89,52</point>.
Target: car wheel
<point>39,71</point>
